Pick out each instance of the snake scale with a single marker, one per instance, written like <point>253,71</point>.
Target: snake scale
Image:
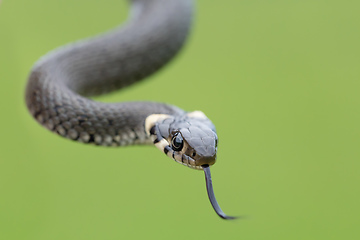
<point>61,81</point>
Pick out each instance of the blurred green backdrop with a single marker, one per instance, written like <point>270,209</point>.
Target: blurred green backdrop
<point>280,80</point>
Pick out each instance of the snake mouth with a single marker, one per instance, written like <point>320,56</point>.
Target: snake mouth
<point>211,194</point>
<point>187,161</point>
<point>196,163</point>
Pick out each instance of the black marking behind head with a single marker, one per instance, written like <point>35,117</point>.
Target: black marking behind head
<point>166,149</point>
<point>152,130</point>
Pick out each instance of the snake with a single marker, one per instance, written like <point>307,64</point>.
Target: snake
<point>61,83</point>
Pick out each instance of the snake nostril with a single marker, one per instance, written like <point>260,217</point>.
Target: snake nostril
<point>193,154</point>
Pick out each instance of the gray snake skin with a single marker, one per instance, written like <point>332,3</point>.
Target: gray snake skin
<point>61,81</point>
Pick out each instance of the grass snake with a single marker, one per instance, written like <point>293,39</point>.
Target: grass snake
<point>61,81</point>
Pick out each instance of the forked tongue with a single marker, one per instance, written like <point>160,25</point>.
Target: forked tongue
<point>210,192</point>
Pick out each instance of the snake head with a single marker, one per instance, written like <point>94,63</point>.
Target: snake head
<point>189,139</point>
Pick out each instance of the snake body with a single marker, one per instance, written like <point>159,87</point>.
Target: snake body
<point>61,81</point>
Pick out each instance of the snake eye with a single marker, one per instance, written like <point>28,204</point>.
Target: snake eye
<point>177,142</point>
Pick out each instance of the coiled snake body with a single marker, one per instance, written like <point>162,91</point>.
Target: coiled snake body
<point>61,80</point>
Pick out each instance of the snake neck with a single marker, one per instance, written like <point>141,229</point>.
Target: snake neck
<point>60,81</point>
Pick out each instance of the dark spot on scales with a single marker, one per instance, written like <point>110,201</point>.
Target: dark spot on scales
<point>36,114</point>
<point>92,138</point>
<point>152,130</point>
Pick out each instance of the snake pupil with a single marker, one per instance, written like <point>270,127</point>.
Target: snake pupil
<point>177,142</point>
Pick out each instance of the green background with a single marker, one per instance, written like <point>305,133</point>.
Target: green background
<point>280,80</point>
